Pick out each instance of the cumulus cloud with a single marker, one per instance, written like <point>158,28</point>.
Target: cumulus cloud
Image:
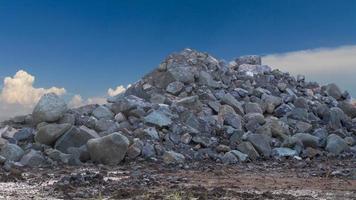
<point>322,60</point>
<point>118,90</point>
<point>323,65</point>
<point>18,95</point>
<point>78,101</point>
<point>19,90</point>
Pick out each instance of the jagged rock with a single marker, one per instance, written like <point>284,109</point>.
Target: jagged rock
<point>148,151</point>
<point>229,158</point>
<point>191,102</point>
<point>231,101</point>
<point>333,90</point>
<point>25,134</point>
<point>175,87</point>
<point>253,108</point>
<point>109,150</point>
<point>308,140</point>
<point>75,137</point>
<point>50,108</point>
<point>261,143</point>
<point>33,159</point>
<point>241,156</point>
<point>348,108</point>
<point>102,112</point>
<point>206,79</point>
<point>250,59</point>
<point>247,148</point>
<point>158,118</point>
<point>49,134</point>
<point>335,144</point>
<point>58,156</point>
<point>171,157</point>
<point>11,152</point>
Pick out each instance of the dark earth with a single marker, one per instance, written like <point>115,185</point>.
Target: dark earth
<point>320,178</point>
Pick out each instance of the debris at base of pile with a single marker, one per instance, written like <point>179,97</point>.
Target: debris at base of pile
<point>193,107</point>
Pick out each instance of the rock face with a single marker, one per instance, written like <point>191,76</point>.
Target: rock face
<point>109,150</point>
<point>50,108</point>
<point>193,107</point>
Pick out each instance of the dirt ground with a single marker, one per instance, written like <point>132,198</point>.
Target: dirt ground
<point>287,179</point>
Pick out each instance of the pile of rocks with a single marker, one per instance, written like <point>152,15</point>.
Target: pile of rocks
<point>193,107</point>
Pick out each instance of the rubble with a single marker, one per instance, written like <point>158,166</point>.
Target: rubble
<point>193,107</point>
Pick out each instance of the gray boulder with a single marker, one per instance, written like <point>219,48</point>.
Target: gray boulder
<point>11,152</point>
<point>231,101</point>
<point>75,137</point>
<point>48,134</point>
<point>50,108</point>
<point>335,144</point>
<point>308,140</point>
<point>102,112</point>
<point>158,118</point>
<point>175,87</point>
<point>108,150</point>
<point>261,144</point>
<point>333,90</point>
<point>33,159</point>
<point>171,157</point>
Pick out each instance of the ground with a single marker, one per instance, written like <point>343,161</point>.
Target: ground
<point>277,179</point>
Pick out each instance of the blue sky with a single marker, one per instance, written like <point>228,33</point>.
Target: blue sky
<point>89,46</point>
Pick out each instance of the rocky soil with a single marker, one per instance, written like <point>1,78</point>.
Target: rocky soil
<point>195,127</point>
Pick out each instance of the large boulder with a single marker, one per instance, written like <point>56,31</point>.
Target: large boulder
<point>261,144</point>
<point>102,112</point>
<point>33,159</point>
<point>335,144</point>
<point>75,137</point>
<point>11,152</point>
<point>50,108</point>
<point>49,134</point>
<point>109,150</point>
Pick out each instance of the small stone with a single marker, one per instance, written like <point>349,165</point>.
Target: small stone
<point>241,156</point>
<point>253,108</point>
<point>158,118</point>
<point>222,148</point>
<point>186,138</point>
<point>229,158</point>
<point>175,87</point>
<point>171,157</point>
<point>284,152</point>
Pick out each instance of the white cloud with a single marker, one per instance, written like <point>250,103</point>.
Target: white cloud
<point>19,90</point>
<point>18,95</point>
<point>119,89</point>
<point>323,65</point>
<point>322,60</point>
<point>78,101</point>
